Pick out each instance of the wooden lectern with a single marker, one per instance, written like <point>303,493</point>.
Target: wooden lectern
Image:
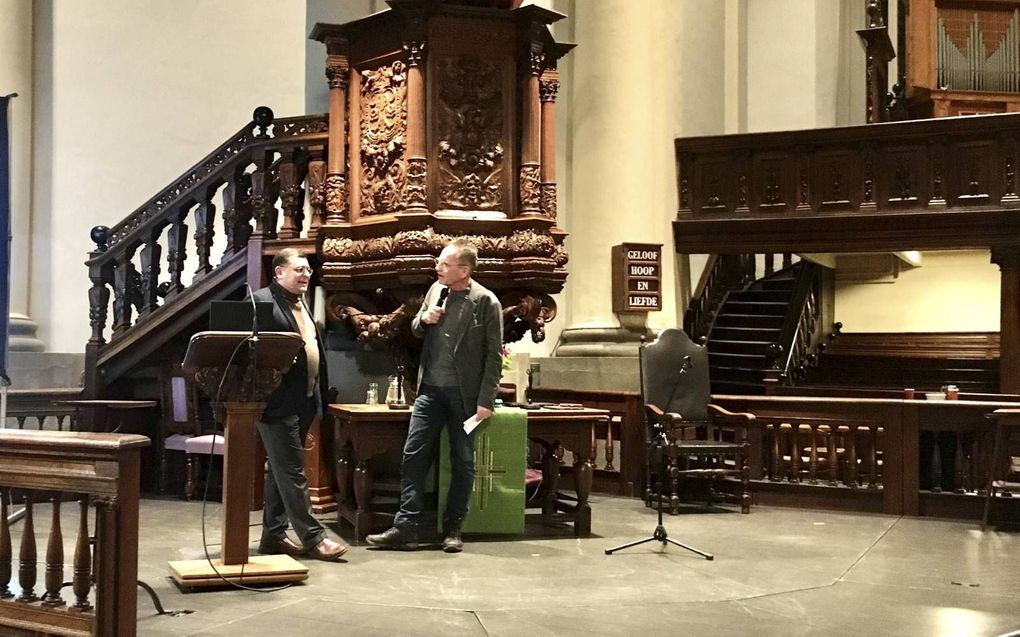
<point>238,374</point>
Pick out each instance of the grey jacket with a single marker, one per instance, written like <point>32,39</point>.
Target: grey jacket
<point>477,354</point>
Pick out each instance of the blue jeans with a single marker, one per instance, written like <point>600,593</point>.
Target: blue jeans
<point>435,408</point>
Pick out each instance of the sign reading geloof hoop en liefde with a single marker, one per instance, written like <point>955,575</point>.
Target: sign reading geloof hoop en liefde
<point>637,277</point>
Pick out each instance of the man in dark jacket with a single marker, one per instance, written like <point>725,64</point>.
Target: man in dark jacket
<point>289,412</point>
<point>462,324</point>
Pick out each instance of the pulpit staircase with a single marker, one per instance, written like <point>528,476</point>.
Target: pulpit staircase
<point>164,263</point>
<point>757,330</point>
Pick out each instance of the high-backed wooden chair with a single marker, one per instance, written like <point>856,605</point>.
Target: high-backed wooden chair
<point>704,440</point>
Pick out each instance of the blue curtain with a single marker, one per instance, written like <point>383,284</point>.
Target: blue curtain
<point>5,228</point>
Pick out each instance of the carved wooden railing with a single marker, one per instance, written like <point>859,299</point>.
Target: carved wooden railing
<point>144,259</point>
<point>861,453</point>
<point>96,477</point>
<point>838,452</point>
<point>39,408</point>
<point>904,457</point>
<point>923,184</point>
<point>801,332</point>
<point>722,274</point>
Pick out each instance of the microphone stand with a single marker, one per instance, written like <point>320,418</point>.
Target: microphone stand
<point>661,443</point>
<point>253,342</point>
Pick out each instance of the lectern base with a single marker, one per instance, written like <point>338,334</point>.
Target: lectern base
<point>259,569</point>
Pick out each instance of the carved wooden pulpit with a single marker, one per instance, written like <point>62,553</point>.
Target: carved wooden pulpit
<point>238,375</point>
<point>441,125</point>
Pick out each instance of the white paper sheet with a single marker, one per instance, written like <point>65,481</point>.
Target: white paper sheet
<point>471,423</point>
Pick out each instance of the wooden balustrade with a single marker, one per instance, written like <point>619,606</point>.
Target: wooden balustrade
<point>167,248</point>
<point>903,457</point>
<point>39,470</point>
<point>884,455</point>
<point>38,408</point>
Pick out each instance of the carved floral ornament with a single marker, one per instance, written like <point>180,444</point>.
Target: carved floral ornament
<point>380,328</point>
<point>547,89</point>
<point>530,187</point>
<point>469,131</point>
<point>520,243</point>
<point>383,138</point>
<point>336,74</point>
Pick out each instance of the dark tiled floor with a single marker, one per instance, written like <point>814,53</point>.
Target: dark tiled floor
<point>776,572</point>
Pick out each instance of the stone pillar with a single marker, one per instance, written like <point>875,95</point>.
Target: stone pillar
<point>417,166</point>
<point>1008,260</point>
<point>530,184</point>
<point>16,77</point>
<point>337,69</point>
<point>622,172</point>
<point>548,87</point>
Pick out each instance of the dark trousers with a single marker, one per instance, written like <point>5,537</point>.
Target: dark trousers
<point>435,408</point>
<point>286,495</point>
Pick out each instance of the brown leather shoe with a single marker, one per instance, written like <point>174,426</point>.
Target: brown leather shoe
<point>276,545</point>
<point>327,550</point>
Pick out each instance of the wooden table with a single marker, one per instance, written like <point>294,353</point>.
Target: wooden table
<point>366,431</point>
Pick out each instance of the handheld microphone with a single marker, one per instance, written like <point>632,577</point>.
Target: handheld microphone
<point>445,292</point>
<point>254,315</point>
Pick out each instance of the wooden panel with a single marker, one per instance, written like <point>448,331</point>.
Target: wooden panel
<point>892,184</point>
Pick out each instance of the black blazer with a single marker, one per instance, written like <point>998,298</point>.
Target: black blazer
<point>289,397</point>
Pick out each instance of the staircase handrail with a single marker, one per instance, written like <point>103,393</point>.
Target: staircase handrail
<point>799,330</point>
<point>722,274</point>
<point>211,172</point>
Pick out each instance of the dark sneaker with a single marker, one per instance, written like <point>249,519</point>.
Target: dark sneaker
<point>452,542</point>
<point>398,538</point>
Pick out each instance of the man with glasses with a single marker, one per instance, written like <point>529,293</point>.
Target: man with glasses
<point>461,322</point>
<point>289,412</point>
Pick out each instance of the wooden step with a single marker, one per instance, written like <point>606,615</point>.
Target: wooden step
<point>755,308</point>
<point>722,346</point>
<point>772,296</point>
<point>749,321</point>
<point>767,335</point>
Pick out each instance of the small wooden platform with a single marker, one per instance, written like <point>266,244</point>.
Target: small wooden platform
<point>259,569</point>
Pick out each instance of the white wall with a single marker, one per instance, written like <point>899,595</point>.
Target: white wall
<point>950,292</point>
<point>128,95</point>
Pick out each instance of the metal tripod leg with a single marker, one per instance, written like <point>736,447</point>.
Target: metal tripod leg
<point>660,535</point>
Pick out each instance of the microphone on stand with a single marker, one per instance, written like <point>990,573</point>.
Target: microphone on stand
<point>254,315</point>
<point>685,364</point>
